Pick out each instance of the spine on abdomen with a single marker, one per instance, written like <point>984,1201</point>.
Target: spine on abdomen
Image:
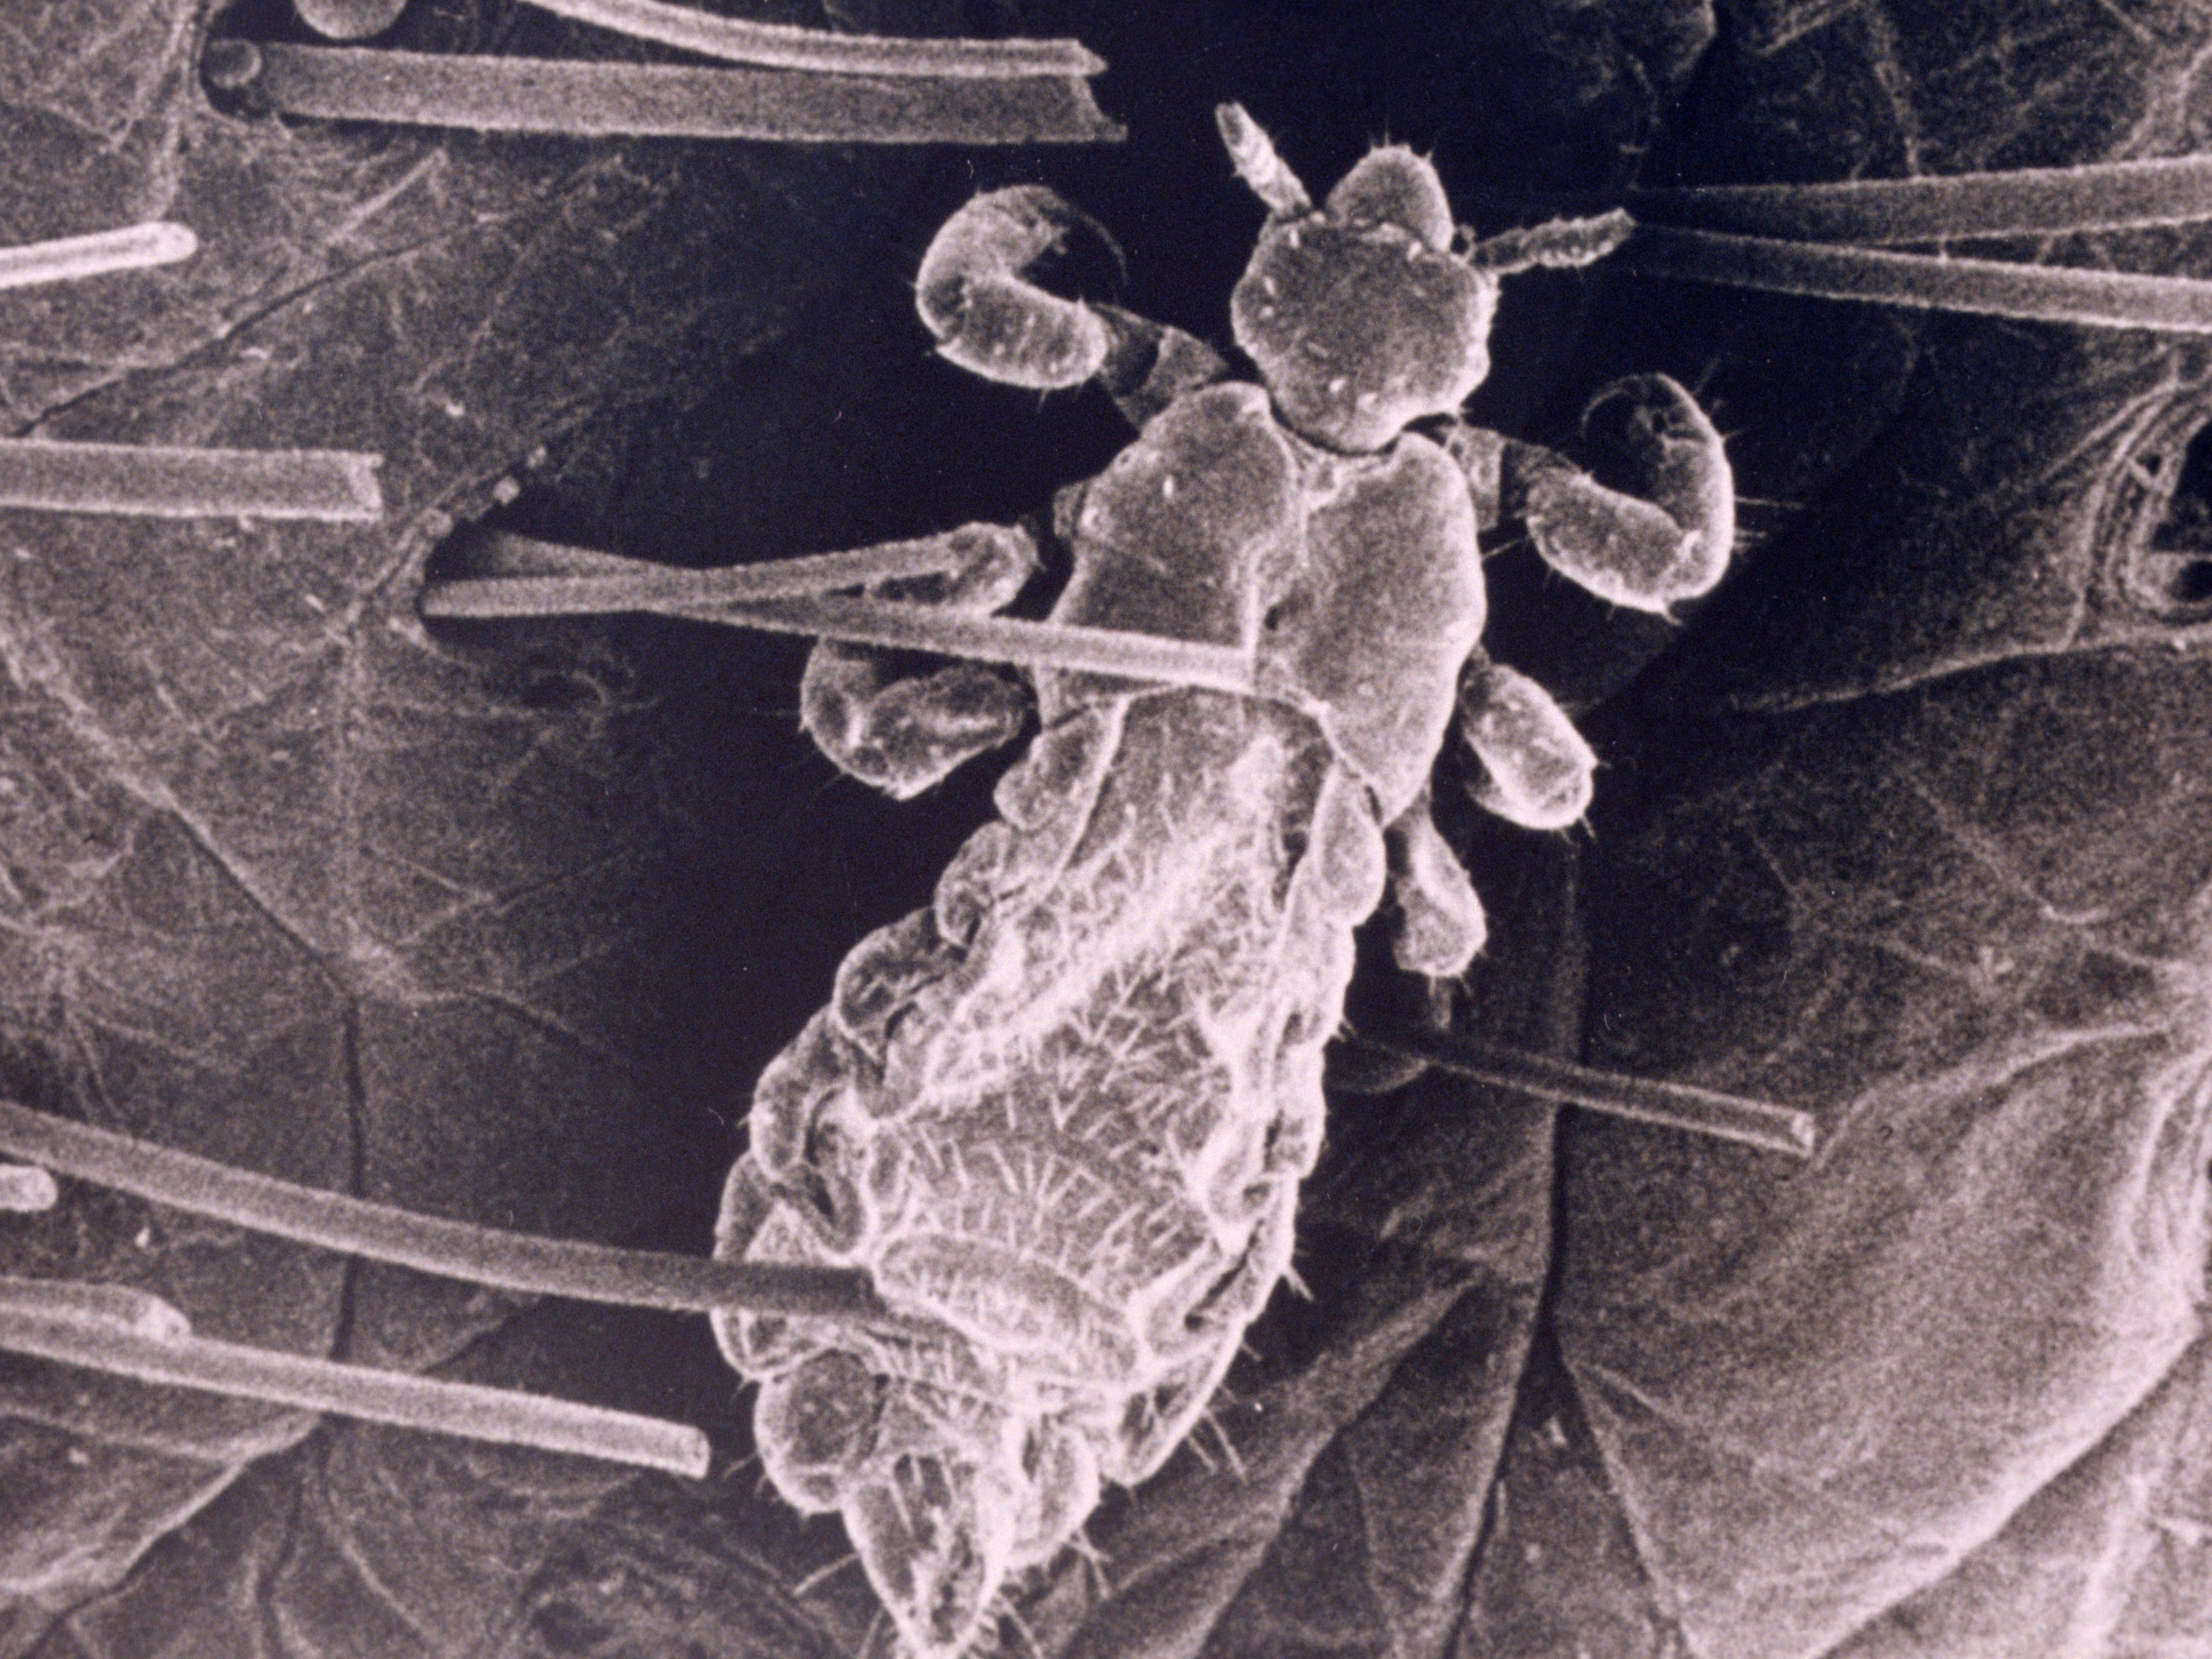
<point>1067,1110</point>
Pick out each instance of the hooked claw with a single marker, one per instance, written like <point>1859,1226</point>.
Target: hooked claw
<point>974,292</point>
<point>903,733</point>
<point>1665,532</point>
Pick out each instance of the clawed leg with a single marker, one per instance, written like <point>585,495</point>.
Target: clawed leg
<point>1438,928</point>
<point>1666,534</point>
<point>974,295</point>
<point>903,733</point>
<point>1536,773</point>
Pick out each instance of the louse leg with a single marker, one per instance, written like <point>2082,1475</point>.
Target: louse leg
<point>815,1426</point>
<point>975,293</point>
<point>1151,364</point>
<point>1665,536</point>
<point>1537,771</point>
<point>902,732</point>
<point>1438,928</point>
<point>1440,920</point>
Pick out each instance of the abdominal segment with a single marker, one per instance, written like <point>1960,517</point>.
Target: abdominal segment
<point>1063,1116</point>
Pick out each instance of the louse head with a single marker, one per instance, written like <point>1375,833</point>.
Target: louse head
<point>943,1493</point>
<point>1360,316</point>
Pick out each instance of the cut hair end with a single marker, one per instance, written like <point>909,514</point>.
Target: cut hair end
<point>72,259</point>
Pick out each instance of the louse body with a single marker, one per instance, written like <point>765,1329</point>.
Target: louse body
<point>1061,1115</point>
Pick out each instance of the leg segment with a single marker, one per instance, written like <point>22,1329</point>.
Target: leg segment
<point>1440,920</point>
<point>1540,771</point>
<point>902,733</point>
<point>1674,542</point>
<point>1149,365</point>
<point>975,293</point>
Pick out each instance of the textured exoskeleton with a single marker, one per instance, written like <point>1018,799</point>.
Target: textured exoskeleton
<point>1061,1115</point>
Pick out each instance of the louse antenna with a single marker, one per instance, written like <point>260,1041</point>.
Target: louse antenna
<point>1252,153</point>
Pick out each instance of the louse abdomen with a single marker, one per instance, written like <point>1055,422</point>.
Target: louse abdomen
<point>1029,1313</point>
<point>1063,1113</point>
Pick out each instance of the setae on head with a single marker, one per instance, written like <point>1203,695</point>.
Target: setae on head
<point>1360,316</point>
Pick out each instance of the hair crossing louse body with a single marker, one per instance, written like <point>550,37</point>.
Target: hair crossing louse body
<point>1063,1113</point>
<point>1068,1106</point>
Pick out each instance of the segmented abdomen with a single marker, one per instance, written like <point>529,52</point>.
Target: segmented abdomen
<point>1063,1114</point>
<point>1056,1110</point>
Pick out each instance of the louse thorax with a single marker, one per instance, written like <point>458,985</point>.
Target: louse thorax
<point>1359,317</point>
<point>1064,1112</point>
